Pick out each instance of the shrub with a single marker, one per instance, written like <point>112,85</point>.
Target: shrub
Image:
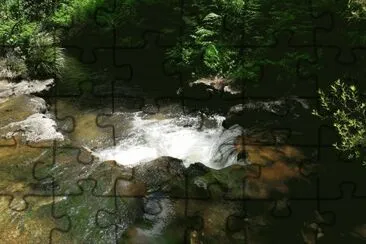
<point>43,58</point>
<point>346,110</point>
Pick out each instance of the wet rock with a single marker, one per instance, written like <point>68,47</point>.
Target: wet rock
<point>162,175</point>
<point>201,183</point>
<point>20,107</point>
<point>217,83</point>
<point>159,170</point>
<point>128,188</point>
<point>24,114</point>
<point>152,206</point>
<point>35,128</point>
<point>278,107</point>
<point>196,237</point>
<point>214,94</point>
<point>10,89</point>
<point>266,110</point>
<point>150,109</point>
<point>231,90</point>
<point>359,232</point>
<point>198,90</point>
<point>161,186</point>
<point>197,169</point>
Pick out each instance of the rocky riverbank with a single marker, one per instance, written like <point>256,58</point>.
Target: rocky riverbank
<point>54,186</point>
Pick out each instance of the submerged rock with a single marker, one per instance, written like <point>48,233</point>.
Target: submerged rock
<point>208,193</point>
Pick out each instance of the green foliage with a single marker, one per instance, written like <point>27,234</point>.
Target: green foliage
<point>346,110</point>
<point>217,33</point>
<point>206,46</point>
<point>16,65</point>
<point>213,42</point>
<point>42,57</point>
<point>75,11</point>
<point>357,9</point>
<point>27,41</point>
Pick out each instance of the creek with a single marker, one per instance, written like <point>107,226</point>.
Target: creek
<point>190,138</point>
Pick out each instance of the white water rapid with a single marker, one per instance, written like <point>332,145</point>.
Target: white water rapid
<point>186,137</point>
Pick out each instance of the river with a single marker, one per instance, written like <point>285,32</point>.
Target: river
<point>191,138</point>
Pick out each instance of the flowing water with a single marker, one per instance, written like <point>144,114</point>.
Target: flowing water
<point>142,137</point>
<point>191,138</point>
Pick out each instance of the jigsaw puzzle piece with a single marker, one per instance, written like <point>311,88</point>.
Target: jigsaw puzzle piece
<point>79,122</point>
<point>207,220</point>
<point>133,32</point>
<point>33,224</point>
<point>82,210</point>
<point>325,68</point>
<point>98,33</point>
<point>263,220</point>
<point>282,173</point>
<point>213,196</point>
<point>123,108</point>
<point>246,230</point>
<point>153,81</point>
<point>128,95</point>
<point>14,25</point>
<point>205,183</point>
<point>111,121</point>
<point>344,32</point>
<point>307,135</point>
<point>291,118</point>
<point>16,171</point>
<point>98,75</point>
<point>247,225</point>
<point>301,24</point>
<point>152,219</point>
<point>301,218</point>
<point>152,199</point>
<point>255,18</point>
<point>276,74</point>
<point>334,169</point>
<point>74,164</point>
<point>209,94</point>
<point>55,167</point>
<point>355,70</point>
<point>345,226</point>
<point>147,186</point>
<point>282,169</point>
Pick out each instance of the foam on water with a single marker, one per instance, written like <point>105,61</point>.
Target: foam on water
<point>182,137</point>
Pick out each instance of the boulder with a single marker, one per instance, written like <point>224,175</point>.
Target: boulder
<point>265,110</point>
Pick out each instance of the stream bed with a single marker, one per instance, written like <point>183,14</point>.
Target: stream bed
<point>66,178</point>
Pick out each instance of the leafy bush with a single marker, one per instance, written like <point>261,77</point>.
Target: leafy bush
<point>43,58</point>
<point>25,42</point>
<point>344,107</point>
<point>357,9</point>
<point>213,42</point>
<point>220,38</point>
<point>17,65</point>
<point>75,11</point>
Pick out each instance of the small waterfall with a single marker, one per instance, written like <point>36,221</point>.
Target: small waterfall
<point>191,138</point>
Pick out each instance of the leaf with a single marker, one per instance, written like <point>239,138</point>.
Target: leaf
<point>211,56</point>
